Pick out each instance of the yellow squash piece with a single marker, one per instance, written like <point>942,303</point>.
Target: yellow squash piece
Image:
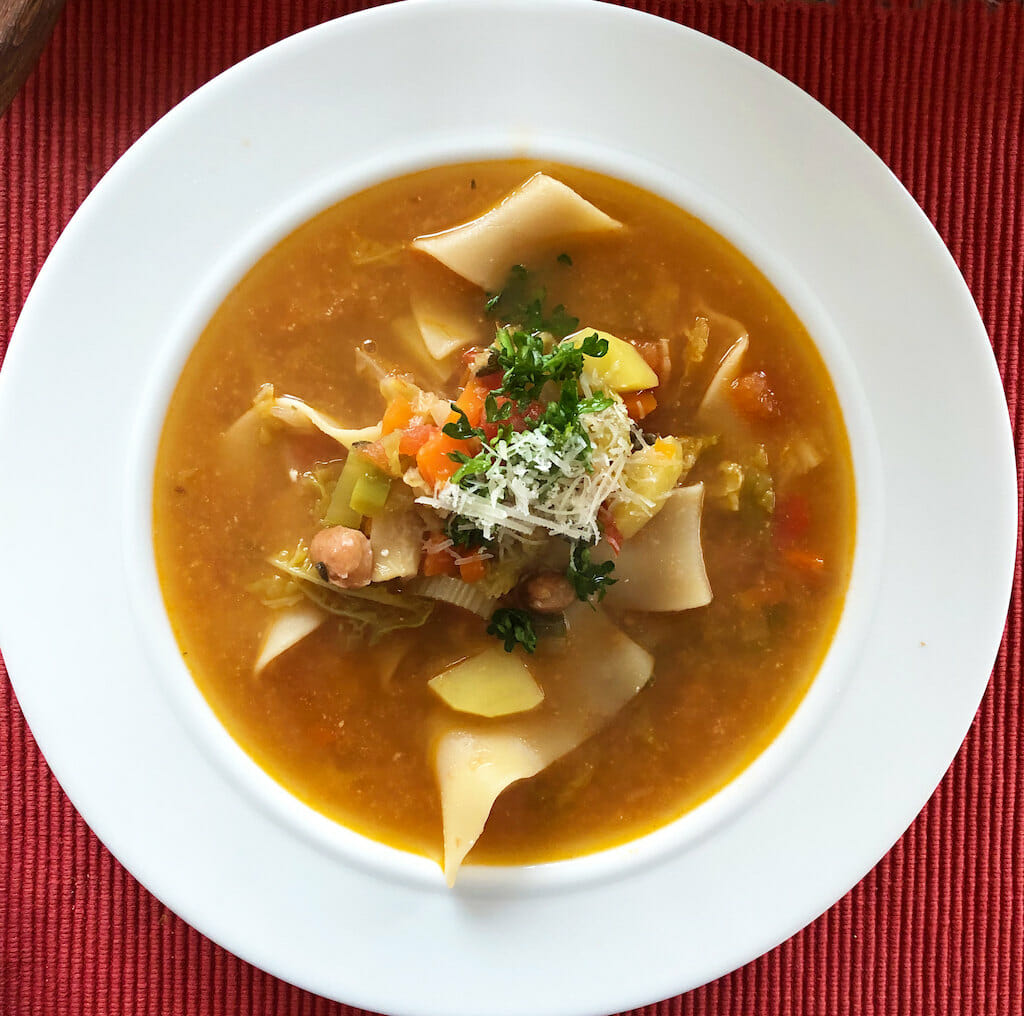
<point>648,477</point>
<point>621,369</point>
<point>495,683</point>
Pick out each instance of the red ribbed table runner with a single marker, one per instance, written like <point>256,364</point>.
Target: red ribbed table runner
<point>937,90</point>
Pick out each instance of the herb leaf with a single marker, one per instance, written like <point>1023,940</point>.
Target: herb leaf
<point>514,627</point>
<point>521,302</point>
<point>460,429</point>
<point>588,578</point>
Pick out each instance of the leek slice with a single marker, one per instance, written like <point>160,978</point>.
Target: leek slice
<point>467,595</point>
<point>587,681</point>
<point>533,216</point>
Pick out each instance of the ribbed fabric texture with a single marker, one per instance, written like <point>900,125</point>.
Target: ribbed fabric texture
<point>937,90</point>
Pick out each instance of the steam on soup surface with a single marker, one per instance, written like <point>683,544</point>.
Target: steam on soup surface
<point>503,497</point>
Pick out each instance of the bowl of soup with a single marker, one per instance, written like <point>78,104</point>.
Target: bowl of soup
<point>499,500</point>
<point>505,512</point>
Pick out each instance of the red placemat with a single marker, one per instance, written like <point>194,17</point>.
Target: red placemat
<point>938,927</point>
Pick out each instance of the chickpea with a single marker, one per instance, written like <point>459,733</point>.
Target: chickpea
<point>345,554</point>
<point>548,593</point>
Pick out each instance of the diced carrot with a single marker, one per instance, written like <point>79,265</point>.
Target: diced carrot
<point>439,564</point>
<point>640,404</point>
<point>473,570</point>
<point>415,438</point>
<point>753,397</point>
<point>373,451</point>
<point>434,459</point>
<point>805,561</point>
<point>397,416</point>
<point>471,402</point>
<point>437,557</point>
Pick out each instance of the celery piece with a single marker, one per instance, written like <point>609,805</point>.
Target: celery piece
<point>340,511</point>
<point>371,491</point>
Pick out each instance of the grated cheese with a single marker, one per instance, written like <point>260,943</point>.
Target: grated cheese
<point>534,483</point>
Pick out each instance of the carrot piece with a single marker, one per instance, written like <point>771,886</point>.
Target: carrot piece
<point>437,558</point>
<point>397,416</point>
<point>640,404</point>
<point>471,402</point>
<point>805,561</point>
<point>434,459</point>
<point>473,570</point>
<point>414,438</point>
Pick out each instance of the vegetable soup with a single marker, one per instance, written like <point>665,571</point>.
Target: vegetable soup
<point>504,508</point>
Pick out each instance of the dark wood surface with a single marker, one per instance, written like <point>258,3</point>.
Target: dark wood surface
<point>25,25</point>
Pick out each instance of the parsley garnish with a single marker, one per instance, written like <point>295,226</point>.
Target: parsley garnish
<point>464,532</point>
<point>564,259</point>
<point>588,578</point>
<point>515,627</point>
<point>521,302</point>
<point>460,429</point>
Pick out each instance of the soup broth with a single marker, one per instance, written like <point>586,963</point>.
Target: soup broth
<point>349,726</point>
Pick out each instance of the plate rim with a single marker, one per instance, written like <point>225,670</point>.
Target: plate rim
<point>18,345</point>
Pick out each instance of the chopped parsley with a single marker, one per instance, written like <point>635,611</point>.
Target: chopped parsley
<point>521,301</point>
<point>514,627</point>
<point>588,578</point>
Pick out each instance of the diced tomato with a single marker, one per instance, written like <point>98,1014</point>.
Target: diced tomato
<point>434,459</point>
<point>473,570</point>
<point>397,416</point>
<point>804,561</point>
<point>792,519</point>
<point>415,438</point>
<point>640,404</point>
<point>753,397</point>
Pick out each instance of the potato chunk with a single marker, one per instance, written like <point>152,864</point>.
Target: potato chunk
<point>495,683</point>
